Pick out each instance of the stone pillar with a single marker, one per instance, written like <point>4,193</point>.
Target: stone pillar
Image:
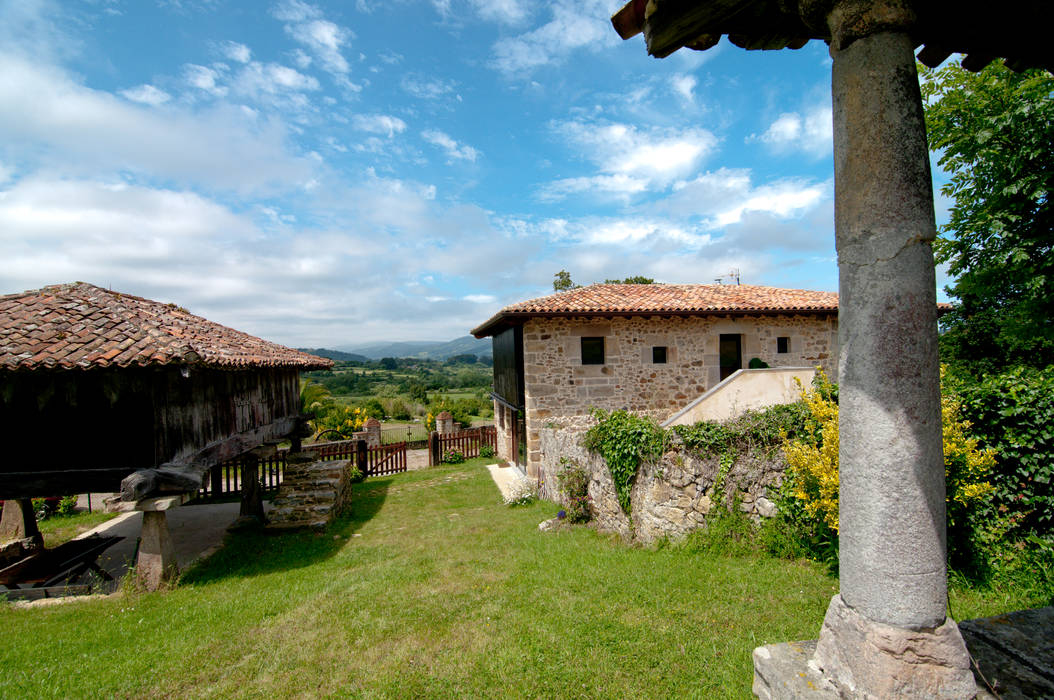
<point>444,423</point>
<point>156,562</point>
<point>373,433</point>
<point>890,613</point>
<point>252,497</point>
<point>19,522</point>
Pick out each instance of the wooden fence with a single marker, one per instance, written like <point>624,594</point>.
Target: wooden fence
<point>225,478</point>
<point>467,442</point>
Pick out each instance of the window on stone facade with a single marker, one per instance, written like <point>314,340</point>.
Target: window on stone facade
<point>658,355</point>
<point>593,351</point>
<point>783,345</point>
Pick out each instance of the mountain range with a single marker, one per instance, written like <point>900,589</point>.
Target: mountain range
<point>421,349</point>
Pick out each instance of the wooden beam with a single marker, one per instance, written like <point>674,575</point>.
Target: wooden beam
<point>186,474</point>
<point>53,482</point>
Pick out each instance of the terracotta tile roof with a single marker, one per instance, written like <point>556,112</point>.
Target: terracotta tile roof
<point>670,299</point>
<point>80,325</point>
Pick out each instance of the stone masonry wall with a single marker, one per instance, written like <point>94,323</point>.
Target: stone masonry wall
<point>670,498</point>
<point>559,389</point>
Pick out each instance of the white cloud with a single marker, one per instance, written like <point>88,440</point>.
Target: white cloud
<point>234,51</point>
<point>480,298</point>
<point>69,128</point>
<point>427,87</point>
<point>204,78</point>
<point>295,11</point>
<point>683,85</point>
<point>452,148</point>
<point>573,26</point>
<point>502,11</point>
<point>379,124</point>
<point>792,131</point>
<point>631,159</point>
<point>726,196</point>
<point>147,94</point>
<point>619,185</point>
<point>325,39</point>
<point>257,79</point>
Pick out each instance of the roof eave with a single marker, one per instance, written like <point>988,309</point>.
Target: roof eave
<point>512,318</point>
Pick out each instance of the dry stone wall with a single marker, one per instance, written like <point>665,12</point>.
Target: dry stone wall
<point>559,389</point>
<point>670,498</point>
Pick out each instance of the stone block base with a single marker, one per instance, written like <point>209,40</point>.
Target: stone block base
<point>867,659</point>
<point>783,671</point>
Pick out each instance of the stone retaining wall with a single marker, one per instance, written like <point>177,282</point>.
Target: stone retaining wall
<point>670,498</point>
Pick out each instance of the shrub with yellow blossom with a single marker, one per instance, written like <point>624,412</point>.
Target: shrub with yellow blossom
<point>343,419</point>
<point>812,459</point>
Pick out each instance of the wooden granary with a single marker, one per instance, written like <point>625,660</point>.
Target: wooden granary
<point>96,385</point>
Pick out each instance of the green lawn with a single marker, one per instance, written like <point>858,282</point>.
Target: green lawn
<point>430,587</point>
<point>61,528</point>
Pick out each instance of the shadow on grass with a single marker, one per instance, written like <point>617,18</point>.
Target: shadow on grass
<point>254,552</point>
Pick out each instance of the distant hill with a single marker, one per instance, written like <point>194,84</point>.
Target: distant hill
<point>336,355</point>
<point>426,350</point>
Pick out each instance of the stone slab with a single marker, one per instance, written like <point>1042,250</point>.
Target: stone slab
<point>783,671</point>
<point>1015,652</point>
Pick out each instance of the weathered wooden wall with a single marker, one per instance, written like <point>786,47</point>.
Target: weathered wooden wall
<point>508,365</point>
<point>84,430</point>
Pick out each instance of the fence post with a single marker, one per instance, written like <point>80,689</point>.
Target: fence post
<point>361,458</point>
<point>433,449</point>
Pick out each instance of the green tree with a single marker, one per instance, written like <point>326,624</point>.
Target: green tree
<point>994,132</point>
<point>636,279</point>
<point>562,281</point>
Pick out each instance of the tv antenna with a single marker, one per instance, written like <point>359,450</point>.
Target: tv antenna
<point>732,275</point>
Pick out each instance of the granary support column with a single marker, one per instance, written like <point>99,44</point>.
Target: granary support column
<point>891,611</point>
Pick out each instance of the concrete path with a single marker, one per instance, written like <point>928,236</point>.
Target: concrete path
<point>196,532</point>
<point>504,477</point>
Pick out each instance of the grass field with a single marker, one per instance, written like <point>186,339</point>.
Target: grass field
<point>429,587</point>
<point>62,528</point>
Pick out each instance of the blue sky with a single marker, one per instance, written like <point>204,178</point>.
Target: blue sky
<point>335,173</point>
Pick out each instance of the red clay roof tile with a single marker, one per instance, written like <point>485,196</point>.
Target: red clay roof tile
<point>81,325</point>
<point>658,299</point>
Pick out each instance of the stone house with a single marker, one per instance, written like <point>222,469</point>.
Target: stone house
<point>648,348</point>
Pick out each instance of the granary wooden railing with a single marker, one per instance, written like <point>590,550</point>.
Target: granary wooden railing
<point>467,442</point>
<point>225,478</point>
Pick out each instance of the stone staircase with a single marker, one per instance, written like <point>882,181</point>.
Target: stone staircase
<point>311,494</point>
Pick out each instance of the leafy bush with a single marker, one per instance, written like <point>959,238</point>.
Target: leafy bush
<point>453,457</point>
<point>624,441</point>
<point>574,484</point>
<point>398,410</point>
<point>67,506</point>
<point>1013,414</point>
<point>486,451</point>
<point>756,429</point>
<point>354,474</point>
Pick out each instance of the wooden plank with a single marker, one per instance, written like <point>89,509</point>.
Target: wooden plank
<point>41,593</point>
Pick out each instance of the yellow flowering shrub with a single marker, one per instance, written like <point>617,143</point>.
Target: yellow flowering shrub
<point>344,419</point>
<point>812,457</point>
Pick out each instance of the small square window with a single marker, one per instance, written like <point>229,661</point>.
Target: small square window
<point>593,351</point>
<point>658,355</point>
<point>783,345</point>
